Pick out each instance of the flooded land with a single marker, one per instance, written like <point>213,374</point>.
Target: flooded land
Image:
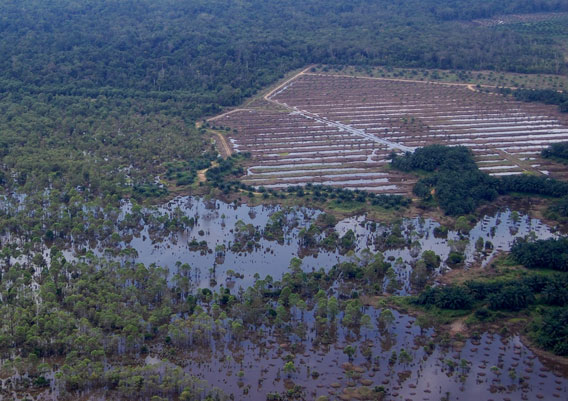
<point>247,251</point>
<point>387,354</point>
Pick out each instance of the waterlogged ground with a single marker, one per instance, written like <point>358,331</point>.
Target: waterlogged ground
<point>401,243</point>
<point>487,367</point>
<point>228,237</point>
<point>391,351</point>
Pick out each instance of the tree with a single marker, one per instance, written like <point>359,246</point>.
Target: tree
<point>511,297</point>
<point>289,368</point>
<point>556,291</point>
<point>350,351</point>
<point>352,315</point>
<point>462,224</point>
<point>332,308</point>
<point>479,244</point>
<point>552,333</point>
<point>348,241</point>
<point>404,356</point>
<point>366,322</point>
<point>431,260</point>
<point>450,297</point>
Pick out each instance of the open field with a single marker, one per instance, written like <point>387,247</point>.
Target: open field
<point>485,78</point>
<point>339,130</point>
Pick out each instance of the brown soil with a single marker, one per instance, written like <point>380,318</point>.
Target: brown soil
<point>222,145</point>
<point>558,363</point>
<point>311,137</point>
<point>458,327</point>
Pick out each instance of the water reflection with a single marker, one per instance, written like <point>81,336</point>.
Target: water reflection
<point>402,243</point>
<point>400,356</point>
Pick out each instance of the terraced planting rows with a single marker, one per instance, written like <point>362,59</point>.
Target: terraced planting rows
<point>339,130</point>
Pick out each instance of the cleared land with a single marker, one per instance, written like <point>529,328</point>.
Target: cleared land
<point>339,130</point>
<point>509,19</point>
<point>489,79</point>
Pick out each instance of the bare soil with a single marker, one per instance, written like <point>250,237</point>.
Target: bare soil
<point>339,130</point>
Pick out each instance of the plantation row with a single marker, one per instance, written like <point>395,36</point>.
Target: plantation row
<point>289,149</point>
<point>341,130</point>
<point>417,114</point>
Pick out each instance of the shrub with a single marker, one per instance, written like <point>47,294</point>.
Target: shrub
<point>552,333</point>
<point>543,254</point>
<point>450,297</point>
<point>512,297</point>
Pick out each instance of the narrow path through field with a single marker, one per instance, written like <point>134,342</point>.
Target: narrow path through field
<point>201,174</point>
<point>525,165</point>
<point>222,145</point>
<point>226,113</point>
<point>284,84</point>
<point>470,86</point>
<point>265,96</point>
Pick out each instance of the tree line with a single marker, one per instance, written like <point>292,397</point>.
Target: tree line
<point>547,96</point>
<point>489,298</point>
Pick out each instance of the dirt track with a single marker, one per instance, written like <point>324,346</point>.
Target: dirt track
<point>267,96</point>
<point>222,144</point>
<point>224,114</point>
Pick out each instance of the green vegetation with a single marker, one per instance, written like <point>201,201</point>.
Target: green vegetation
<point>457,184</point>
<point>486,301</point>
<point>554,27</point>
<point>103,95</point>
<point>485,79</point>
<point>345,197</point>
<point>223,176</point>
<point>185,172</point>
<point>96,312</point>
<point>446,298</point>
<point>500,294</point>
<point>551,332</point>
<point>532,185</point>
<point>84,311</point>
<point>556,151</point>
<point>542,254</point>
<point>558,210</point>
<point>98,104</point>
<point>547,96</point>
<point>459,187</point>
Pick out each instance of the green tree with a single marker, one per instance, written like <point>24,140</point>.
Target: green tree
<point>289,368</point>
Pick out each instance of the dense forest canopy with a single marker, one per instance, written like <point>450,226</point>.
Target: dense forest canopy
<point>234,47</point>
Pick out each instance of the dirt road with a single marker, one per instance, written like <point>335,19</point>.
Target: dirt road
<point>222,144</point>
